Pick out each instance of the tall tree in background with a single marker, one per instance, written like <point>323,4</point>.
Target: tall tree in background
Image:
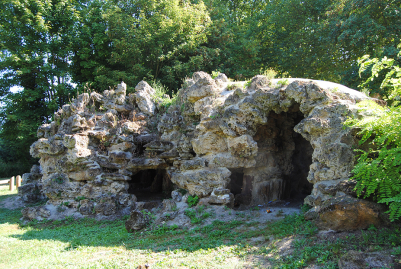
<point>133,40</point>
<point>233,35</point>
<point>323,39</point>
<point>34,56</point>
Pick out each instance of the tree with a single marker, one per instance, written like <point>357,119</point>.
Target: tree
<point>135,40</point>
<point>323,39</point>
<point>34,55</point>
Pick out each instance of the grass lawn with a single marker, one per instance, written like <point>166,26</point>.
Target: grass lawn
<point>86,243</point>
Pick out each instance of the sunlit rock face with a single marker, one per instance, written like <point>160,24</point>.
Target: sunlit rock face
<point>250,142</point>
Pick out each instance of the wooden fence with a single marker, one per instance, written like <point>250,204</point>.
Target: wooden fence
<point>13,183</point>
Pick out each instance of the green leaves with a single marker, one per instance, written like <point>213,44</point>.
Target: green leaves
<point>378,170</point>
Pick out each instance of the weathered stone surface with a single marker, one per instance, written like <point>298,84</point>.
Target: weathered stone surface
<point>221,196</point>
<point>176,196</point>
<point>204,86</point>
<point>137,221</point>
<point>37,212</point>
<point>348,213</point>
<point>144,94</point>
<point>248,145</point>
<point>201,182</point>
<point>168,205</point>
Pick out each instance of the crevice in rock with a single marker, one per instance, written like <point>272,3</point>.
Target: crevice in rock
<point>150,185</point>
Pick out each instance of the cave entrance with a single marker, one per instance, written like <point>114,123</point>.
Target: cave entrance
<point>150,185</point>
<point>283,162</point>
<point>236,185</point>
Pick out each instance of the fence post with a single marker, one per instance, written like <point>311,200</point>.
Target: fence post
<point>12,183</point>
<point>19,180</point>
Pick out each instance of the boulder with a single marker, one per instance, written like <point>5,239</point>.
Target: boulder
<point>137,221</point>
<point>37,212</point>
<point>144,98</point>
<point>366,260</point>
<point>348,213</point>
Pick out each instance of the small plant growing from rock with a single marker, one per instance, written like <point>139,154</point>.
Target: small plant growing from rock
<point>79,198</point>
<point>270,73</point>
<point>282,83</point>
<point>215,74</point>
<point>58,180</point>
<point>193,200</point>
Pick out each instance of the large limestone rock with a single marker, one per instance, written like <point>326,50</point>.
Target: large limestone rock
<point>110,152</point>
<point>144,94</point>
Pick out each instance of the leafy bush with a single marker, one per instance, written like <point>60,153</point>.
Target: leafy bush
<point>391,84</point>
<point>378,170</point>
<point>192,200</point>
<point>162,97</point>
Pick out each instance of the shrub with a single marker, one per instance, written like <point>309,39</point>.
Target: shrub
<point>378,170</point>
<point>160,96</point>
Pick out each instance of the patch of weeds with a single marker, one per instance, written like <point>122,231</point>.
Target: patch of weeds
<point>240,214</point>
<point>248,83</point>
<point>215,74</point>
<point>270,73</point>
<point>280,213</point>
<point>215,116</point>
<point>305,208</point>
<point>233,86</point>
<point>79,198</point>
<point>255,208</point>
<point>60,208</point>
<point>282,83</point>
<point>162,97</point>
<point>193,200</point>
<point>197,215</point>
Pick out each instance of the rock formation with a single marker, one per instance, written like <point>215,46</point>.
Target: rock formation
<point>229,143</point>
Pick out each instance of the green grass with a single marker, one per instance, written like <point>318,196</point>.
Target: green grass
<point>86,243</point>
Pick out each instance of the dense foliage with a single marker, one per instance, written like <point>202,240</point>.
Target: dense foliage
<point>378,170</point>
<point>53,49</point>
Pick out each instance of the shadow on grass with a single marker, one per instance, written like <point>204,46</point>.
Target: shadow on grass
<point>89,232</point>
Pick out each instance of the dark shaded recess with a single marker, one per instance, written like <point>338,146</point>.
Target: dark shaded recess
<point>278,140</point>
<point>151,185</point>
<point>236,185</point>
<point>296,186</point>
<point>236,181</point>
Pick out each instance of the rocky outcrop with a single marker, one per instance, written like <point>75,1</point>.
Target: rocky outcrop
<point>229,144</point>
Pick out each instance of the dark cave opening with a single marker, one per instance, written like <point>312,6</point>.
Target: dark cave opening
<point>283,161</point>
<point>236,181</point>
<point>151,185</point>
<point>236,186</point>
